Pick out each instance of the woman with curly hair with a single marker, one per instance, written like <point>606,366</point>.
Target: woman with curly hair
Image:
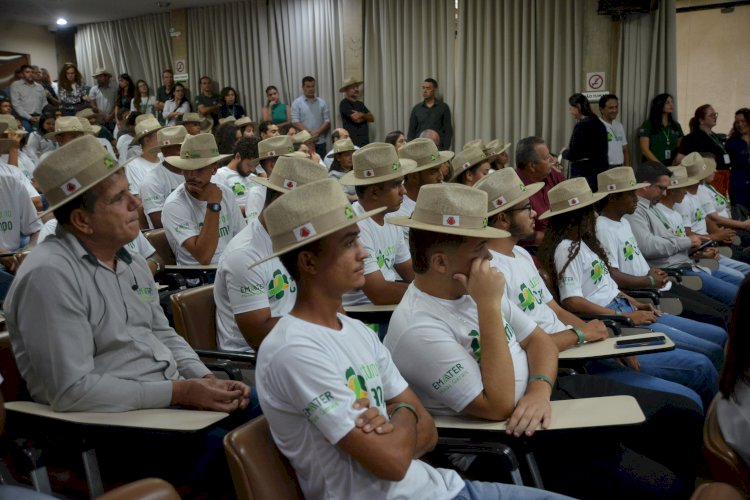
<point>144,101</point>
<point>74,95</point>
<point>577,262</point>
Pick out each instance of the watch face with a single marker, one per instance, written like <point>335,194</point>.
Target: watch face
<point>216,207</point>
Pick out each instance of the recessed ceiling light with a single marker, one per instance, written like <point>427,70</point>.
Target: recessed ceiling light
<point>61,21</point>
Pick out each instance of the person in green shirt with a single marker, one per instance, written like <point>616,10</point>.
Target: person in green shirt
<point>207,102</point>
<point>660,135</point>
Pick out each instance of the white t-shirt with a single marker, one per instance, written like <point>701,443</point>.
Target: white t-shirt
<point>37,144</point>
<point>694,213</point>
<point>239,185</point>
<point>385,248</point>
<point>674,220</point>
<point>13,171</point>
<point>182,217</point>
<point>17,214</point>
<point>436,345</point>
<point>586,276</point>
<point>170,107</point>
<point>405,210</point>
<point>26,164</point>
<point>310,412</point>
<point>240,288</point>
<point>712,200</point>
<point>621,246</point>
<point>156,187</point>
<point>139,245</point>
<point>123,143</point>
<point>107,145</point>
<point>136,170</point>
<point>616,140</point>
<point>525,288</point>
<point>256,200</point>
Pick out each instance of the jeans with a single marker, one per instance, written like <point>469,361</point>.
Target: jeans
<point>734,265</point>
<point>5,281</point>
<point>479,490</point>
<point>717,285</point>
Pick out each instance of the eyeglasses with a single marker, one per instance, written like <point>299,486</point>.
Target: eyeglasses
<point>713,115</point>
<point>521,209</point>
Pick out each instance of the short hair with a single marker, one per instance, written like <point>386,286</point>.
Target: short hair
<point>204,77</point>
<point>284,129</point>
<point>422,244</point>
<point>362,189</point>
<point>23,68</point>
<point>307,79</point>
<point>650,171</point>
<point>290,258</point>
<point>271,87</point>
<point>606,97</point>
<point>86,201</point>
<point>263,127</point>
<point>247,148</point>
<point>392,137</point>
<point>526,151</point>
<point>432,81</point>
<point>336,135</point>
<point>131,118</point>
<point>168,70</point>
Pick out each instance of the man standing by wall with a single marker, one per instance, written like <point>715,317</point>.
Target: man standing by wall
<point>310,113</point>
<point>102,97</point>
<point>354,113</point>
<point>609,107</point>
<point>28,98</point>
<point>431,113</point>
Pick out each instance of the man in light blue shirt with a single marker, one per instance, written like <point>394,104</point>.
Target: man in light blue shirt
<point>310,113</point>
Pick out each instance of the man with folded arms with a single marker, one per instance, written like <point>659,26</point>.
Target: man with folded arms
<point>161,181</point>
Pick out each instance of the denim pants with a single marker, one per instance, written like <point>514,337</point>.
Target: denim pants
<point>718,285</point>
<point>6,279</point>
<point>734,265</point>
<point>479,490</point>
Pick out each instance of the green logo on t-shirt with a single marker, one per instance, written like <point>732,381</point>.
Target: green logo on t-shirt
<point>528,299</point>
<point>385,257</point>
<point>238,189</point>
<point>630,250</point>
<point>476,350</point>
<point>598,270</point>
<point>278,284</point>
<point>698,214</point>
<point>356,383</point>
<point>720,200</point>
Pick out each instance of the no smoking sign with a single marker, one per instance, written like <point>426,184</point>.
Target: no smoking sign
<point>595,81</point>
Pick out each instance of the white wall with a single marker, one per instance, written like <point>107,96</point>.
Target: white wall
<point>30,39</point>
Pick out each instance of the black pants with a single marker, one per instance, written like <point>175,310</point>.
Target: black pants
<point>701,307</point>
<point>587,169</point>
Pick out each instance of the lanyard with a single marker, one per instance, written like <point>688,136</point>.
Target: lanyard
<point>667,132</point>
<point>661,218</point>
<point>717,142</point>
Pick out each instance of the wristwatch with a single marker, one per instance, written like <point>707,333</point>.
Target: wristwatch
<point>214,207</point>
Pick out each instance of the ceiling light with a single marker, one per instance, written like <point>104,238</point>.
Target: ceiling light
<point>61,21</point>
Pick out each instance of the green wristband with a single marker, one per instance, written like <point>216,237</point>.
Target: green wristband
<point>580,335</point>
<point>651,279</point>
<point>544,378</point>
<point>408,407</point>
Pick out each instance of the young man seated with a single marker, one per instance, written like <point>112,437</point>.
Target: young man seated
<point>250,300</point>
<point>236,175</point>
<point>200,218</point>
<point>318,371</point>
<point>469,166</point>
<point>510,210</point>
<point>466,349</point>
<point>378,177</point>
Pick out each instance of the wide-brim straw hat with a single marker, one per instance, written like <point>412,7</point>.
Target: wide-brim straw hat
<point>303,136</point>
<point>495,148</point>
<point>349,82</point>
<point>569,195</point>
<point>206,122</point>
<point>66,124</point>
<point>228,119</point>
<point>505,189</point>
<point>273,147</point>
<point>342,146</point>
<point>698,167</point>
<point>466,159</point>
<point>308,213</point>
<point>73,169</point>
<point>424,153</point>
<point>245,121</point>
<point>101,70</point>
<point>89,113</point>
<point>479,143</point>
<point>147,126</point>
<point>11,125</point>
<point>88,128</point>
<point>292,172</point>
<point>169,136</point>
<point>375,163</point>
<point>680,178</point>
<point>451,209</point>
<point>618,180</point>
<point>196,152</point>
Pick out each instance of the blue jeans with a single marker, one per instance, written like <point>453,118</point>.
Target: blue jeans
<point>6,279</point>
<point>717,285</point>
<point>734,265</point>
<point>479,490</point>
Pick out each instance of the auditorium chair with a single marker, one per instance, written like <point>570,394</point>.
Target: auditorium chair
<point>158,240</point>
<point>726,466</point>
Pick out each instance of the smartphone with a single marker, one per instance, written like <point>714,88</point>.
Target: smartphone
<point>640,342</point>
<point>703,246</point>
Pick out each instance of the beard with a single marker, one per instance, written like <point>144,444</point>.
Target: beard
<point>521,231</point>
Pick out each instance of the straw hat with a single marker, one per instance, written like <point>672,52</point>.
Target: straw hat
<point>11,125</point>
<point>88,128</point>
<point>5,144</point>
<point>291,172</point>
<point>73,169</point>
<point>101,70</point>
<point>425,153</point>
<point>505,189</point>
<point>88,113</point>
<point>618,180</point>
<point>197,151</point>
<point>698,167</point>
<point>680,178</point>
<point>309,213</point>
<point>479,143</point>
<point>169,136</point>
<point>494,148</point>
<point>273,147</point>
<point>342,146</point>
<point>144,127</point>
<point>377,162</point>
<point>465,160</point>
<point>349,82</point>
<point>244,121</point>
<point>302,137</point>
<point>228,119</point>
<point>66,124</point>
<point>570,195</point>
<point>206,123</point>
<point>451,209</point>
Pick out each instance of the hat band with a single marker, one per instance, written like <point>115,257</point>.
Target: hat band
<point>338,217</point>
<point>198,154</point>
<point>427,159</point>
<point>371,173</point>
<point>572,201</point>
<point>463,221</point>
<point>273,153</point>
<point>615,186</point>
<point>86,176</point>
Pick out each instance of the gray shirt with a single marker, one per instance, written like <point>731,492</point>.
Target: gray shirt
<point>657,242</point>
<point>87,338</point>
<point>27,99</point>
<point>312,113</point>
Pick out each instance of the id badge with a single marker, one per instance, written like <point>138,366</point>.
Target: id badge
<point>668,154</point>
<point>726,158</point>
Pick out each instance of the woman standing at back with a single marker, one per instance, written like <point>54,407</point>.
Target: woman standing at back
<point>74,95</point>
<point>738,147</point>
<point>660,135</point>
<point>702,139</point>
<point>588,151</point>
<point>275,110</point>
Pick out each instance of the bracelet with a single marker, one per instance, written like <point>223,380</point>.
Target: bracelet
<point>544,378</point>
<point>579,334</point>
<point>156,263</point>
<point>618,313</point>
<point>408,407</point>
<point>651,279</point>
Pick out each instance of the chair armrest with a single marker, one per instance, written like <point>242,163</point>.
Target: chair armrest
<point>240,357</point>
<point>645,293</point>
<point>614,318</point>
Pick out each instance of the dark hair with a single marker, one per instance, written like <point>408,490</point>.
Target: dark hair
<point>128,91</point>
<point>284,129</point>
<point>700,113</point>
<point>656,110</point>
<point>606,97</point>
<point>263,127</point>
<point>226,137</point>
<point>168,70</point>
<point>23,68</point>
<point>247,148</point>
<point>577,226</point>
<point>737,361</point>
<point>335,135</point>
<point>271,87</point>
<point>526,151</point>
<point>178,104</point>
<point>225,92</point>
<point>581,102</point>
<point>432,81</point>
<point>204,77</point>
<point>473,170</point>
<point>392,137</point>
<point>362,189</point>
<point>137,98</point>
<point>307,79</point>
<point>85,201</point>
<point>131,118</point>
<point>422,244</point>
<point>649,171</point>
<point>745,112</point>
<point>62,80</point>
<point>290,259</point>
